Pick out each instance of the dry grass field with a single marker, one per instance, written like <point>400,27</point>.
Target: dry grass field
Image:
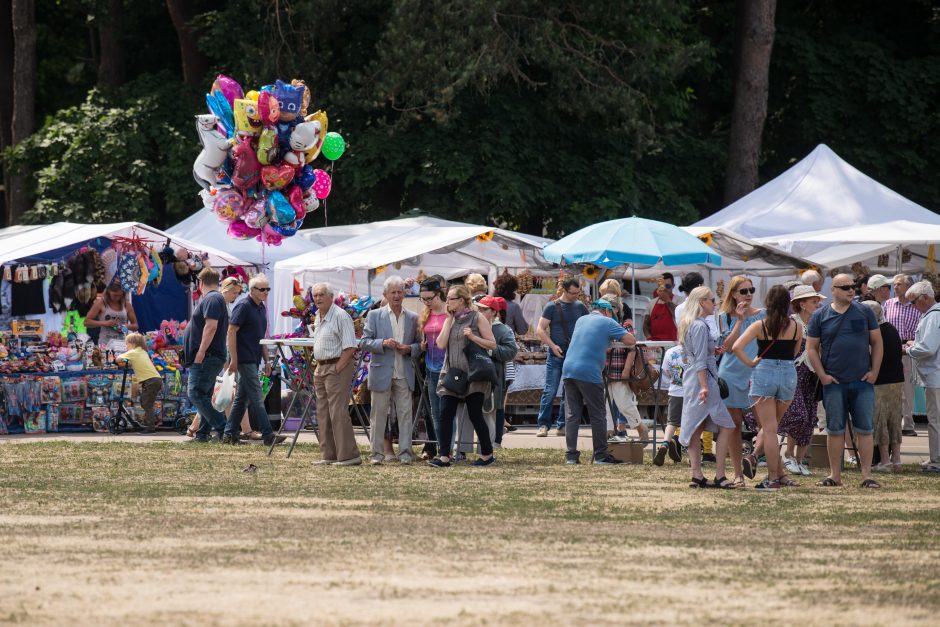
<point>164,533</point>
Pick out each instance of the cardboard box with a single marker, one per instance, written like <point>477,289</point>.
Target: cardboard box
<point>627,452</point>
<point>817,453</point>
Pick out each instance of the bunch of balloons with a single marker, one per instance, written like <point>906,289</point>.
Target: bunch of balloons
<point>257,150</point>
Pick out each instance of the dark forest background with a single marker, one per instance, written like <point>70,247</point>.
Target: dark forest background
<point>541,115</point>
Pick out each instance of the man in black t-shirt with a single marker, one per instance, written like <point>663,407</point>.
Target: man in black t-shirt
<point>204,353</point>
<point>555,329</point>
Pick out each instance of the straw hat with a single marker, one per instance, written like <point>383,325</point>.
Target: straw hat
<point>804,291</point>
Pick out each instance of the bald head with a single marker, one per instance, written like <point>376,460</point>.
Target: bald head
<point>843,288</point>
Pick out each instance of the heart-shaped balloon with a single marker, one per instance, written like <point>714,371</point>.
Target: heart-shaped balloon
<point>279,209</point>
<point>310,202</point>
<point>276,177</point>
<point>268,236</point>
<point>296,198</point>
<point>306,178</point>
<point>240,230</point>
<point>323,184</point>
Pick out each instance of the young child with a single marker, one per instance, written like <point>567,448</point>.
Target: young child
<point>151,383</point>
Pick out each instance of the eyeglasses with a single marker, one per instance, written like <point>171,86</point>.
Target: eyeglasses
<point>428,299</point>
<point>576,291</point>
<point>847,288</point>
<point>744,291</point>
<point>263,289</point>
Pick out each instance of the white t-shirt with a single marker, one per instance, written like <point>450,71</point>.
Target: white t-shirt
<point>674,364</point>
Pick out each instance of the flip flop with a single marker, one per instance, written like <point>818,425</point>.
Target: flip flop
<point>870,483</point>
<point>829,482</point>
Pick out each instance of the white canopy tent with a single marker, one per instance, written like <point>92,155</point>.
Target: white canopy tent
<point>31,242</point>
<point>403,247</point>
<point>820,192</point>
<point>204,228</point>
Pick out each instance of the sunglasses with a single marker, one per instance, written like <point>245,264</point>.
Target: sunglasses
<point>668,286</point>
<point>847,288</point>
<point>744,291</point>
<point>710,299</point>
<point>263,289</point>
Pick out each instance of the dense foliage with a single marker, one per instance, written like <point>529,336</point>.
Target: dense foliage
<point>538,115</point>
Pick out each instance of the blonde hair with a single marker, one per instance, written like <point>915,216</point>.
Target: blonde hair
<point>475,282</point>
<point>729,303</point>
<point>693,310</point>
<point>464,293</point>
<point>229,283</point>
<point>611,286</point>
<point>136,339</point>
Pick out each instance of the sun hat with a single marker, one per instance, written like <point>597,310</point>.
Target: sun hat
<point>804,291</point>
<point>877,280</point>
<point>496,303</point>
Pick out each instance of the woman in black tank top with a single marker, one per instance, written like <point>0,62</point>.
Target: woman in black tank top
<point>773,382</point>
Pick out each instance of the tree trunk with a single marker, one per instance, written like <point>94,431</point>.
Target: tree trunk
<point>24,97</point>
<point>195,64</point>
<point>6,97</point>
<point>111,68</point>
<point>754,42</point>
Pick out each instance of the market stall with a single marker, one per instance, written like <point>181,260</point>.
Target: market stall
<point>53,375</point>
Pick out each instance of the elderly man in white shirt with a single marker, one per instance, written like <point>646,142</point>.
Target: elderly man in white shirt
<point>924,349</point>
<point>391,335</point>
<point>333,348</point>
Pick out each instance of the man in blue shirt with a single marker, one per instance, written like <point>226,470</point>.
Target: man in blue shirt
<point>204,353</point>
<point>246,329</point>
<point>843,345</point>
<point>582,374</point>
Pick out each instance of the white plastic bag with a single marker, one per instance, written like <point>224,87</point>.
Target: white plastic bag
<point>224,393</point>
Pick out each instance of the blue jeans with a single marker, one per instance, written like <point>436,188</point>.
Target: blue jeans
<point>774,378</point>
<point>856,398</point>
<point>248,393</point>
<point>199,387</point>
<point>552,382</point>
<point>435,402</point>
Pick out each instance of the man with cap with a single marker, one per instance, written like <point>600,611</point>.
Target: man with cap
<point>583,379</point>
<point>880,287</point>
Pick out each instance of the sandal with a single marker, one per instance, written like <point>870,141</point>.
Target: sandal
<point>870,483</point>
<point>724,483</point>
<point>750,466</point>
<point>699,483</point>
<point>787,482</point>
<point>829,482</point>
<point>739,483</point>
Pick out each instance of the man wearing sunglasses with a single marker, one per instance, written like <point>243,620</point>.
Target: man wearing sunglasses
<point>844,346</point>
<point>660,320</point>
<point>246,329</point>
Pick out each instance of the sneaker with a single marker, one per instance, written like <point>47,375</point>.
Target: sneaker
<point>619,437</point>
<point>437,463</point>
<point>911,433</point>
<point>483,462</point>
<point>852,461</point>
<point>323,462</point>
<point>355,461</point>
<point>675,453</point>
<point>804,470</point>
<point>572,460</point>
<point>542,432</point>
<point>272,439</point>
<point>660,457</point>
<point>405,459</point>
<point>460,457</point>
<point>376,460</point>
<point>560,431</point>
<point>750,466</point>
<point>767,486</point>
<point>708,457</point>
<point>230,438</point>
<point>391,458</point>
<point>607,461</point>
<point>889,467</point>
<point>497,445</point>
<point>216,438</point>
<point>793,466</point>
<point>931,468</point>
<point>198,440</point>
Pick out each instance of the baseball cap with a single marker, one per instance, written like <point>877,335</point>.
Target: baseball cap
<point>877,280</point>
<point>496,303</point>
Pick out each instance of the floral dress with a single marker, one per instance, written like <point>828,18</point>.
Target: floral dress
<point>800,418</point>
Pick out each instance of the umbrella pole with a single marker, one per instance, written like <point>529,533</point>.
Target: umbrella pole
<point>633,293</point>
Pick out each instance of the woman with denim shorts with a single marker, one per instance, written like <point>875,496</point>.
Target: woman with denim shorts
<point>773,381</point>
<point>735,315</point>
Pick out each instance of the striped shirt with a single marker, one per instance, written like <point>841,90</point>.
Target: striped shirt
<point>332,334</point>
<point>904,317</point>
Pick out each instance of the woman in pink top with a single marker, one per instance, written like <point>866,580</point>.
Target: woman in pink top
<point>431,322</point>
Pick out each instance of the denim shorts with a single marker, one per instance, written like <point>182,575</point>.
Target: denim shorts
<point>774,378</point>
<point>856,398</point>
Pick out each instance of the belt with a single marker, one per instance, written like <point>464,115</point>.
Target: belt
<point>328,361</point>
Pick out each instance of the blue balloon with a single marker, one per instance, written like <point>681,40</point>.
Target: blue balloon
<point>280,209</point>
<point>221,109</point>
<point>306,178</point>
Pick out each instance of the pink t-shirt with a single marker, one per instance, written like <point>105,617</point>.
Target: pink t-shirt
<point>434,358</point>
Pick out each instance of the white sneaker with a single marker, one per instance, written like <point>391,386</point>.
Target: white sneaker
<point>391,458</point>
<point>883,467</point>
<point>617,438</point>
<point>355,461</point>
<point>376,460</point>
<point>804,470</point>
<point>793,466</point>
<point>542,432</point>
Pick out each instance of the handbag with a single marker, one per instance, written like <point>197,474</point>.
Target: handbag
<point>455,379</point>
<point>642,377</point>
<point>723,390</point>
<point>480,364</point>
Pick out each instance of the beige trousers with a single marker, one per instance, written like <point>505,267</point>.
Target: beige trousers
<point>337,440</point>
<point>400,395</point>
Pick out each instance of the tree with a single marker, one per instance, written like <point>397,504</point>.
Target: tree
<point>110,22</point>
<point>6,96</point>
<point>195,65</point>
<point>24,96</point>
<point>754,43</point>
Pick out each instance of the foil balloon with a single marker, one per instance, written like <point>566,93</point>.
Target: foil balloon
<point>310,202</point>
<point>268,109</point>
<point>279,209</point>
<point>276,177</point>
<point>323,184</point>
<point>305,177</point>
<point>215,147</point>
<point>321,118</point>
<point>228,87</point>
<point>252,95</point>
<point>247,120</point>
<point>227,205</point>
<point>267,146</point>
<point>247,170</point>
<point>296,198</point>
<point>269,236</point>
<point>240,230</point>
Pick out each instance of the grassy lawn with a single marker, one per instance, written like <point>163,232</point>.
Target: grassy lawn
<point>111,533</point>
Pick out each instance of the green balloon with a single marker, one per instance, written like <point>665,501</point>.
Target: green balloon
<point>333,146</point>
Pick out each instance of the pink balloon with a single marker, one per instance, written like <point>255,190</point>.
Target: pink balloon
<point>268,236</point>
<point>227,205</point>
<point>229,88</point>
<point>240,230</point>
<point>323,184</point>
<point>296,198</point>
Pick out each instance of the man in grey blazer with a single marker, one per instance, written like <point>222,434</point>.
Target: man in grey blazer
<point>391,335</point>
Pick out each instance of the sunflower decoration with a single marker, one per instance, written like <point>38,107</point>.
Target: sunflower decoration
<point>590,272</point>
<point>485,237</point>
<point>706,238</point>
<point>380,269</point>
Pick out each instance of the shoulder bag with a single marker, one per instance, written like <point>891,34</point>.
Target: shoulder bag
<point>455,379</point>
<point>642,377</point>
<point>480,366</point>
